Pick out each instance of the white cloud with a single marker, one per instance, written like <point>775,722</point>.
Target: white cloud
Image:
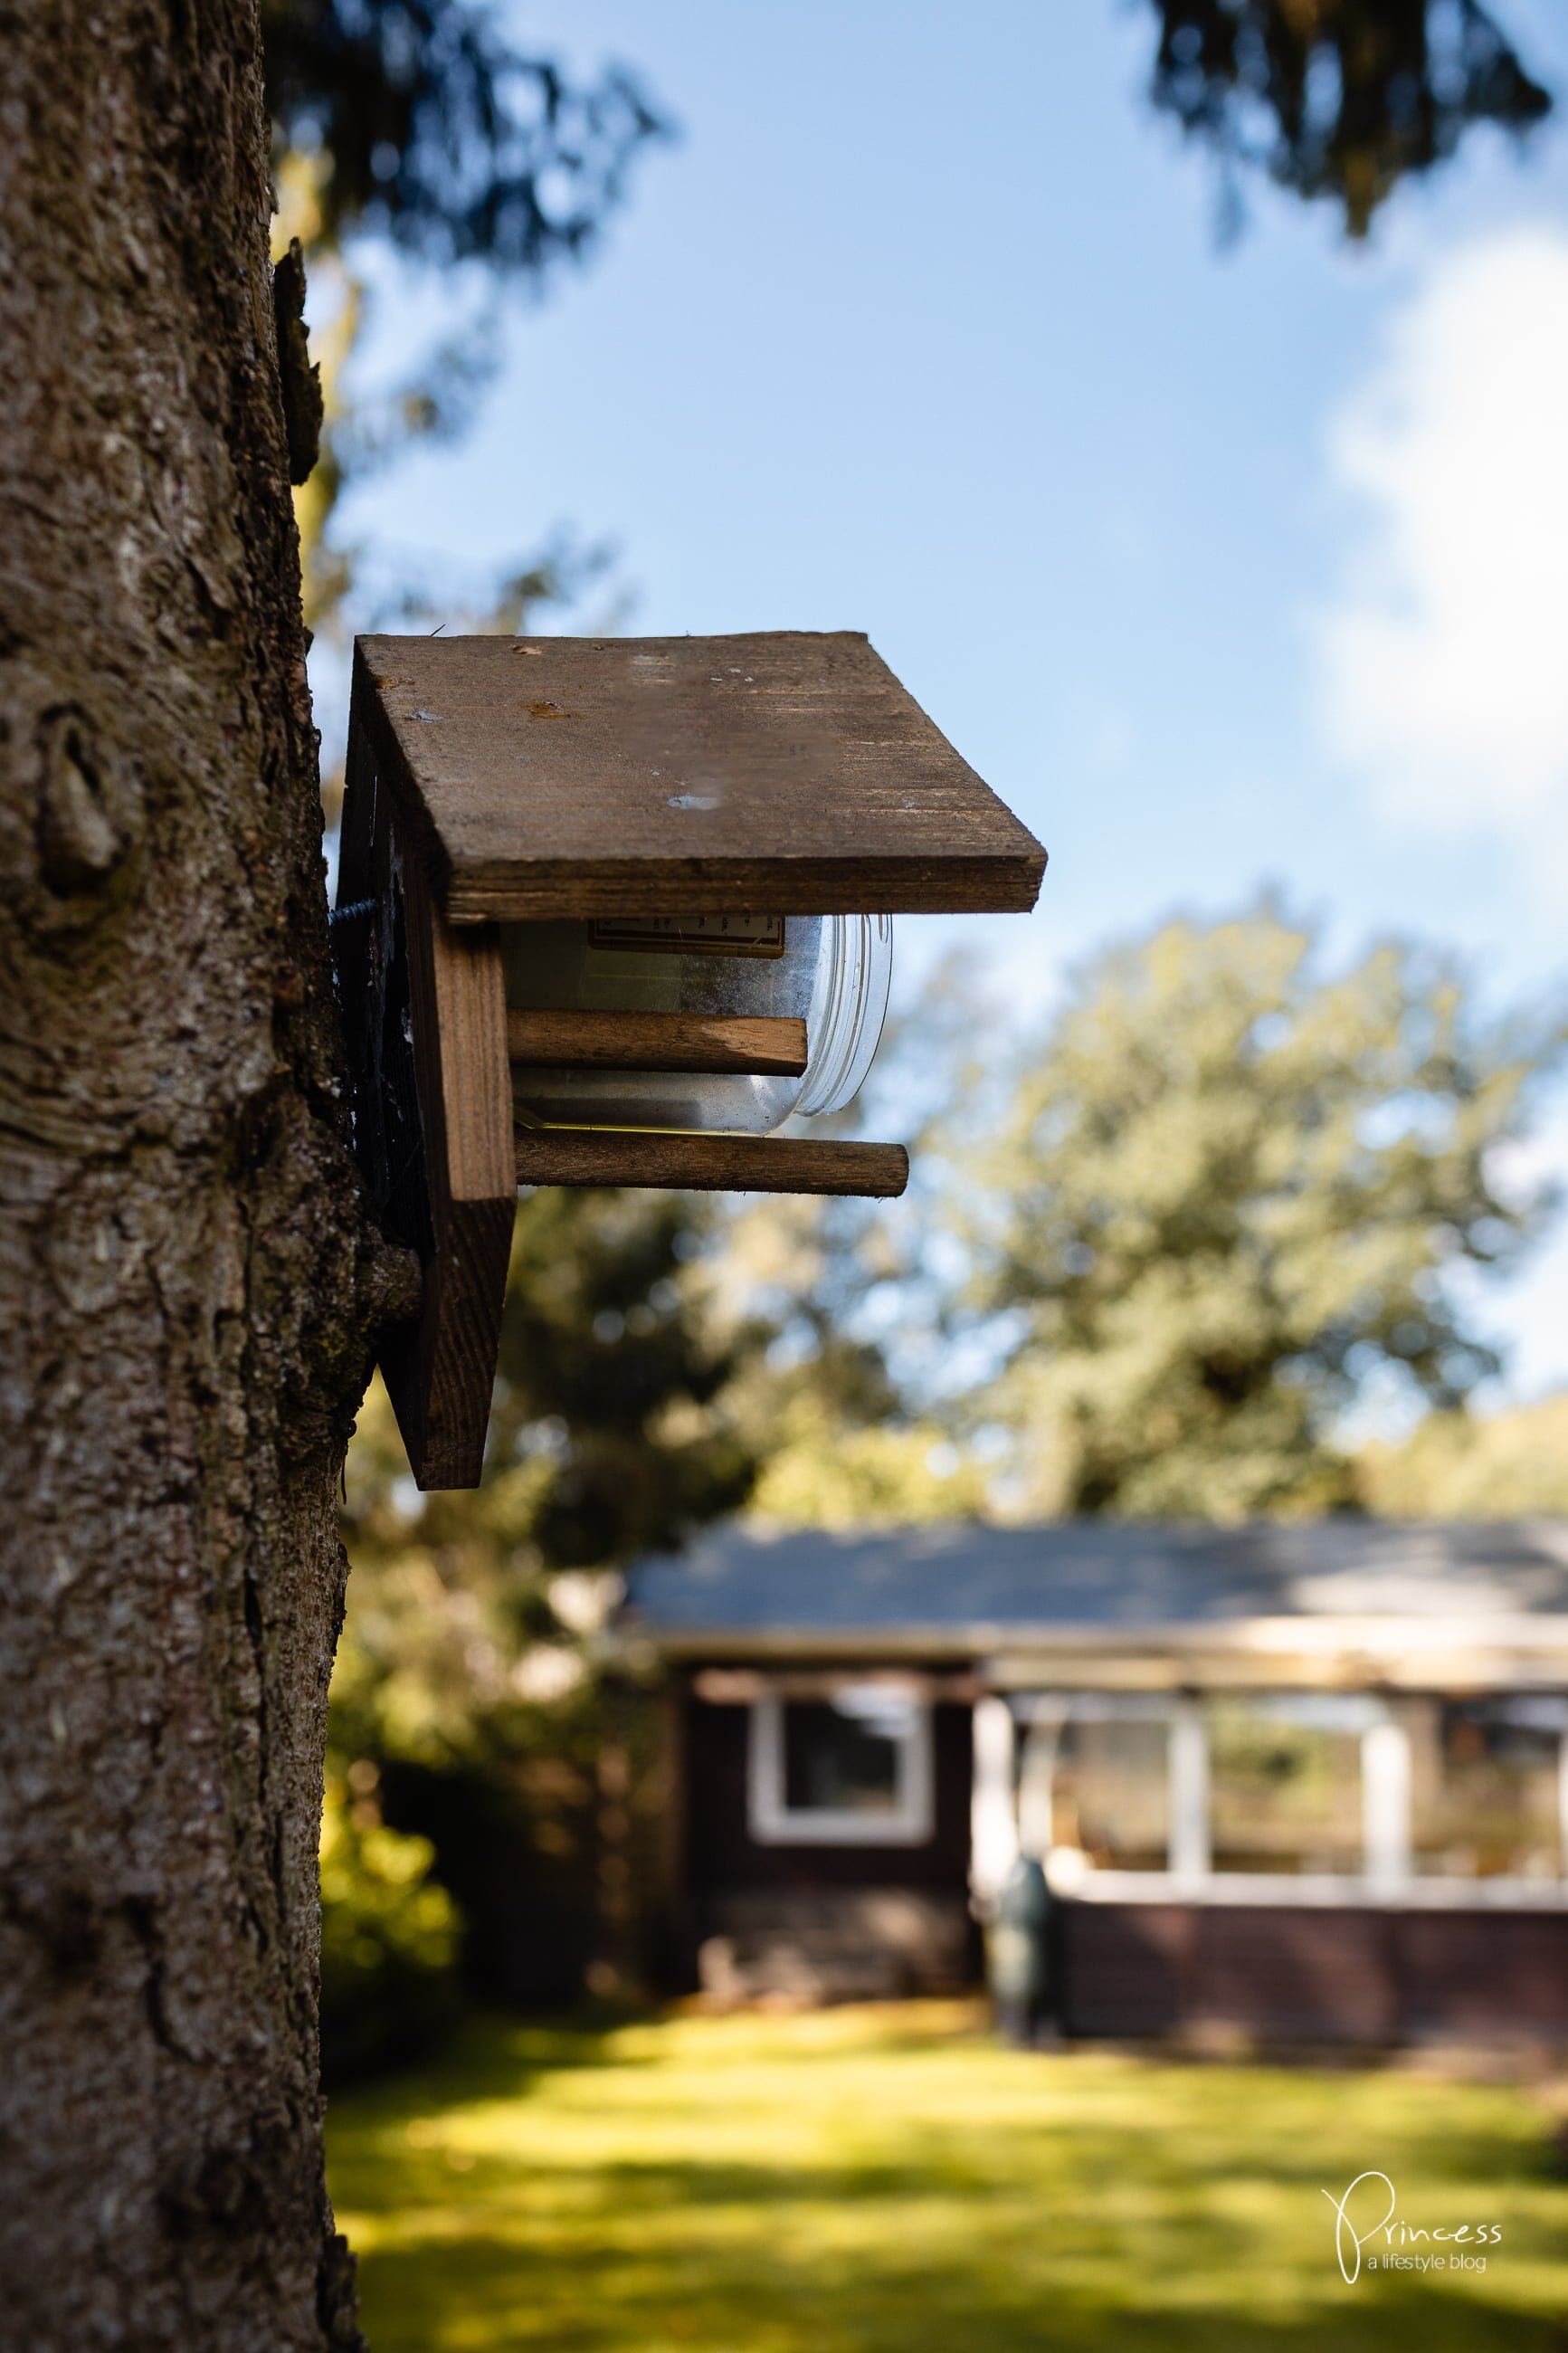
<point>1444,654</point>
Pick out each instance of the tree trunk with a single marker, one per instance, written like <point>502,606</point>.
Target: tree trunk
<point>189,1287</point>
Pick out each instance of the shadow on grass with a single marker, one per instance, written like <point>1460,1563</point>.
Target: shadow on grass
<point>489,2058</point>
<point>786,2189</point>
<point>871,2259</point>
<point>487,2292</point>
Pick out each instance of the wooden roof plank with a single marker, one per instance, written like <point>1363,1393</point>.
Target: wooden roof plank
<point>782,771</point>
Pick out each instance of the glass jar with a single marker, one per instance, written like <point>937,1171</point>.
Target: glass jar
<point>832,971</point>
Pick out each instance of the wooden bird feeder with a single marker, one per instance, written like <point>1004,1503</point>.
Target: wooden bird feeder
<point>552,964</point>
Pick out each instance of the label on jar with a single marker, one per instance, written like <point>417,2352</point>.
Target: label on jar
<point>735,936</point>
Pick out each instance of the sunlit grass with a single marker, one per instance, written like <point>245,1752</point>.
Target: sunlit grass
<point>888,2181</point>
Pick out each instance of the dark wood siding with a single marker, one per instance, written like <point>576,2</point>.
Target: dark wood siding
<point>1122,1968</point>
<point>1470,1972</point>
<point>722,1856</point>
<point>1306,1973</point>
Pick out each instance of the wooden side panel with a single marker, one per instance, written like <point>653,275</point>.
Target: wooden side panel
<point>425,1008</point>
<point>440,1384</point>
<point>461,1048</point>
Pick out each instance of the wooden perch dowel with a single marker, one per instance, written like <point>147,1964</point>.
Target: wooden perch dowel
<point>710,1164</point>
<point>689,1042</point>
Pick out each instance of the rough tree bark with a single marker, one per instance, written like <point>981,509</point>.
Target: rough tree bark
<point>188,1284</point>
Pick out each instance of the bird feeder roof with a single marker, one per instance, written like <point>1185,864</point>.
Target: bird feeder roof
<point>784,771</point>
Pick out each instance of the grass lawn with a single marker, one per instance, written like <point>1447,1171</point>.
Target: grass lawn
<point>888,2181</point>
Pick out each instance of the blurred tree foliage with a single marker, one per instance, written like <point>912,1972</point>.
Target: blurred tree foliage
<point>441,136</point>
<point>416,124</point>
<point>611,1434</point>
<point>1466,1466</point>
<point>1226,1191</point>
<point>841,1442</point>
<point>389,1935</point>
<point>465,1681</point>
<point>1339,98</point>
<point>850,1406</point>
<point>902,1472</point>
<point>630,1408</point>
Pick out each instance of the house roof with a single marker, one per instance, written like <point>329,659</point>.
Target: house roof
<point>970,1589</point>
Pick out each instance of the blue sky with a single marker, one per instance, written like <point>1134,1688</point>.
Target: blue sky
<point>921,328</point>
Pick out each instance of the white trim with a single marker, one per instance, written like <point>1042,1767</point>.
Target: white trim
<point>1305,1889</point>
<point>1188,1796</point>
<point>1386,1808</point>
<point>1388,1877</point>
<point>773,1822</point>
<point>1469,1653</point>
<point>993,1808</point>
<point>1055,1708</point>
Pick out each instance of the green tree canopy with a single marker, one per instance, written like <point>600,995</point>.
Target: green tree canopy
<point>416,124</point>
<point>1465,1466</point>
<point>1339,98</point>
<point>1226,1190</point>
<point>465,1704</point>
<point>442,136</point>
<point>612,1433</point>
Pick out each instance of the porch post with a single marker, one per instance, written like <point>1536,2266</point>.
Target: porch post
<point>1190,1857</point>
<point>1385,1806</point>
<point>993,1820</point>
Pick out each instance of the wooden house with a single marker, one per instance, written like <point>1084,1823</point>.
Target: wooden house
<point>1301,1782</point>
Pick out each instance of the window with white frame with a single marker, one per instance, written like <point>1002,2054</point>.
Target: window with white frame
<point>849,1767</point>
<point>1488,1786</point>
<point>1247,1796</point>
<point>1095,1783</point>
<point>1285,1781</point>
